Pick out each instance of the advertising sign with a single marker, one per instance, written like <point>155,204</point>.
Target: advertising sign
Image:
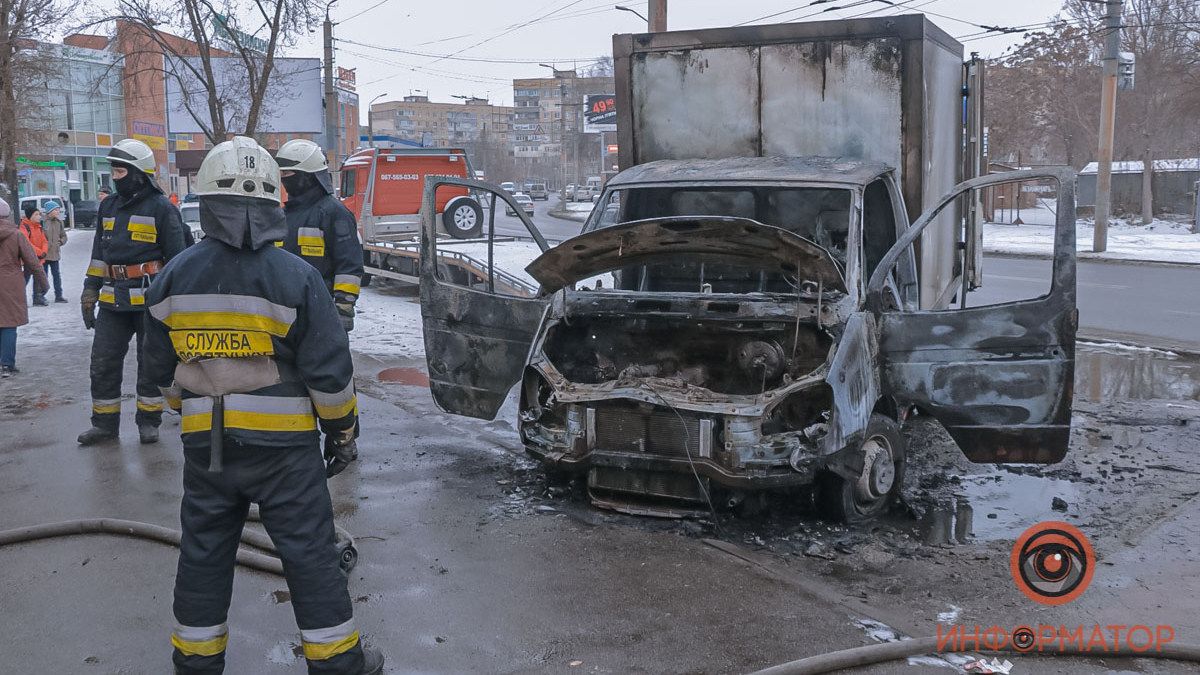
<point>600,113</point>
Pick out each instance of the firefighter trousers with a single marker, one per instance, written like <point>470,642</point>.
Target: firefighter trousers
<point>289,486</point>
<point>110,344</point>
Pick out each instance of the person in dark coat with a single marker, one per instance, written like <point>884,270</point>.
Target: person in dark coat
<point>17,259</point>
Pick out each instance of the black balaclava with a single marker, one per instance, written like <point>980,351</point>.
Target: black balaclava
<point>132,183</point>
<point>299,183</point>
<point>242,222</point>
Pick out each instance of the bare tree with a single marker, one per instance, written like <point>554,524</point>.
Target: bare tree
<point>22,65</point>
<point>220,69</point>
<point>601,67</point>
<point>1160,115</point>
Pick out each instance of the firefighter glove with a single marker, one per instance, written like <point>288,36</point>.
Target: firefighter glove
<point>345,309</point>
<point>340,450</point>
<point>87,302</point>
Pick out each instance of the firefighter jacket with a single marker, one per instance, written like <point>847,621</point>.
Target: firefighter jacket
<point>215,300</point>
<point>325,234</point>
<point>143,228</point>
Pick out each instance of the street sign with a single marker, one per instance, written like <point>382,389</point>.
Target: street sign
<point>600,113</point>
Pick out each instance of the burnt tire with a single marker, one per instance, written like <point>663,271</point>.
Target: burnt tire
<point>864,499</point>
<point>463,218</point>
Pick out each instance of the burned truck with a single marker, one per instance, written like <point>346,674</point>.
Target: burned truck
<point>739,315</point>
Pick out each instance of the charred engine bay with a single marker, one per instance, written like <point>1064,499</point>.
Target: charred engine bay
<point>734,358</point>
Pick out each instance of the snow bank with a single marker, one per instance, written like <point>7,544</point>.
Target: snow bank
<point>1160,241</point>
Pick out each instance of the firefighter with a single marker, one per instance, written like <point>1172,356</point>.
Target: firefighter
<point>320,229</point>
<point>246,340</point>
<point>138,231</point>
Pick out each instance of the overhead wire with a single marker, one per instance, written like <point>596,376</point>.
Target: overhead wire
<point>358,14</point>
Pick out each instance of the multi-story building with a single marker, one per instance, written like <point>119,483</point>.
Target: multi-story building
<point>484,130</point>
<point>102,89</point>
<point>549,141</point>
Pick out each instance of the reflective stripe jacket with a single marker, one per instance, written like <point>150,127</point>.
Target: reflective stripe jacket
<point>215,301</point>
<point>325,234</point>
<point>145,228</point>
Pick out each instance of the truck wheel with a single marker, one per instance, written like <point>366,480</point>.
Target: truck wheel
<point>463,218</point>
<point>884,461</point>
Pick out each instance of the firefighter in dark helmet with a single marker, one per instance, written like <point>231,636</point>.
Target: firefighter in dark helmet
<point>138,231</point>
<point>320,229</point>
<point>245,338</point>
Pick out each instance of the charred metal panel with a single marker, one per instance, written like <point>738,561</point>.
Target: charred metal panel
<point>476,343</point>
<point>720,239</point>
<point>808,88</point>
<point>854,378</point>
<point>1000,377</point>
<point>696,104</point>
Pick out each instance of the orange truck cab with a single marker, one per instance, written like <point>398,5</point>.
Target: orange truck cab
<point>382,187</point>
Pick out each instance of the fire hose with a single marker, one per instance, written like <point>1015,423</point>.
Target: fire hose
<point>261,561</point>
<point>889,651</point>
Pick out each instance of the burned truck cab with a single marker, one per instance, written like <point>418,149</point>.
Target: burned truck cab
<point>723,327</point>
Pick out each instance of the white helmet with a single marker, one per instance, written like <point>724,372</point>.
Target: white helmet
<point>134,153</point>
<point>301,155</point>
<point>239,167</point>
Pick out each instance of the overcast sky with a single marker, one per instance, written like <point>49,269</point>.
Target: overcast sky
<point>565,32</point>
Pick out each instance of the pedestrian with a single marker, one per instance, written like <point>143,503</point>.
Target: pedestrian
<point>251,337</point>
<point>17,260</point>
<point>139,231</point>
<point>320,229</point>
<point>56,236</point>
<point>31,227</point>
<point>174,199</point>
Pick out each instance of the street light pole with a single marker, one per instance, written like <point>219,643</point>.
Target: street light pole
<point>371,121</point>
<point>1108,121</point>
<point>658,16</point>
<point>331,96</point>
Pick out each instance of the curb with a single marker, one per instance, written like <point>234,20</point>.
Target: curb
<point>561,215</point>
<point>1093,257</point>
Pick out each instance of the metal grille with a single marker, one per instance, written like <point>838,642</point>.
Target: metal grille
<point>666,485</point>
<point>654,431</point>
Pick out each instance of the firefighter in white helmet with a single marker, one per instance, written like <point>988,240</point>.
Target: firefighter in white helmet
<point>320,229</point>
<point>261,367</point>
<point>138,231</point>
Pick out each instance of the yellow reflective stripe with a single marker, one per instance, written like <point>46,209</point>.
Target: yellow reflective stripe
<point>226,321</point>
<point>106,406</point>
<point>200,647</point>
<point>320,651</point>
<point>108,294</point>
<point>147,228</point>
<point>172,397</point>
<point>193,344</point>
<point>250,421</point>
<point>97,268</point>
<point>279,244</point>
<point>137,296</point>
<point>149,404</point>
<point>109,223</point>
<point>334,406</point>
<point>352,289</point>
<point>311,241</point>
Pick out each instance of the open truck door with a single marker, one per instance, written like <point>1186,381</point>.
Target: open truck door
<point>479,309</point>
<point>999,377</point>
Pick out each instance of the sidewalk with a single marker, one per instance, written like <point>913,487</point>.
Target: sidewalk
<point>576,211</point>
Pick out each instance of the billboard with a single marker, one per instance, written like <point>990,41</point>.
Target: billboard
<point>600,113</point>
<point>294,103</point>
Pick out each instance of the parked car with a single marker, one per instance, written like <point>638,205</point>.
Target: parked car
<point>568,193</point>
<point>525,202</point>
<point>191,218</point>
<point>538,191</point>
<point>582,193</point>
<point>509,187</point>
<point>85,213</point>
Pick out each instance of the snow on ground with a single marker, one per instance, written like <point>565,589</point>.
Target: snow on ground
<point>509,256</point>
<point>61,323</point>
<point>578,207</point>
<point>388,322</point>
<point>1161,240</point>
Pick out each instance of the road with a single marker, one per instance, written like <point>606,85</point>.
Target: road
<point>553,229</point>
<point>1146,304</point>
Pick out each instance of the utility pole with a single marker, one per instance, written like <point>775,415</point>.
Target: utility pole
<point>657,14</point>
<point>1108,121</point>
<point>331,98</point>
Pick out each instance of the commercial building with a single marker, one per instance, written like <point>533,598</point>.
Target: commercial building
<point>549,139</point>
<point>102,89</point>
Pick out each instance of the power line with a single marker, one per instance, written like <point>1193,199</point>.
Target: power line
<point>358,14</point>
<point>471,59</point>
<point>510,30</point>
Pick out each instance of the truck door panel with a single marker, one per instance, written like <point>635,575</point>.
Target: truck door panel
<point>998,377</point>
<point>478,322</point>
